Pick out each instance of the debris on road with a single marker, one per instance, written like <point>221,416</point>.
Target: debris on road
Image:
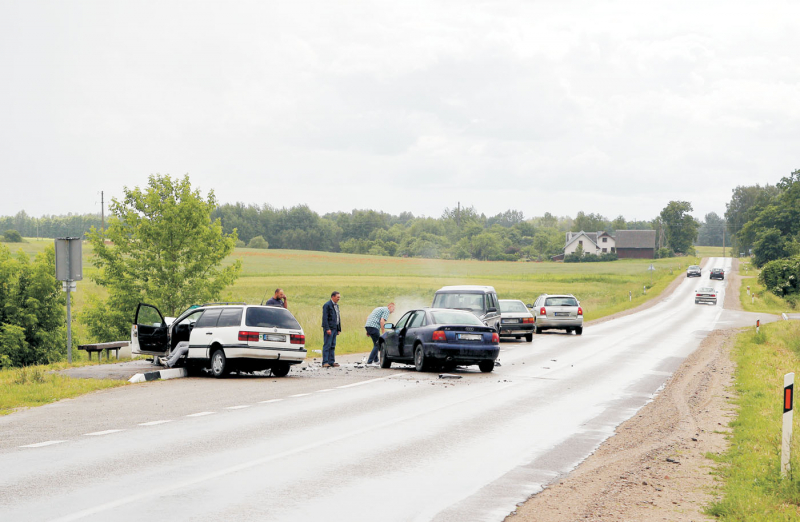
<point>449,376</point>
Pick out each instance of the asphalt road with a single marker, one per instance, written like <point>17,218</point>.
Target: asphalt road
<point>350,444</point>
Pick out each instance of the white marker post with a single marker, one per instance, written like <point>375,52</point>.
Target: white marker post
<point>758,324</point>
<point>748,289</point>
<point>630,295</point>
<point>788,411</point>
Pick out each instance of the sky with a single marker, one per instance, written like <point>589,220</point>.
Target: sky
<point>613,107</point>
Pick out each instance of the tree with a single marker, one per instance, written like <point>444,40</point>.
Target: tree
<point>710,232</point>
<point>589,222</point>
<point>619,224</point>
<point>680,227</point>
<point>769,246</point>
<point>258,242</point>
<point>164,249</point>
<point>32,326</point>
<point>12,236</point>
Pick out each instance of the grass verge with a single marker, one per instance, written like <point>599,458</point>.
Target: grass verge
<point>753,488</point>
<point>764,300</point>
<point>35,386</point>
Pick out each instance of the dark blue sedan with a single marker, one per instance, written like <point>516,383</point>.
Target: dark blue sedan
<point>439,338</point>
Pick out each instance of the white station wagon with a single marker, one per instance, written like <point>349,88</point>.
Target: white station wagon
<point>224,337</point>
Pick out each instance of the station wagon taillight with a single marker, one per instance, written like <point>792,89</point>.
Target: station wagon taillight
<point>248,336</point>
<point>543,311</point>
<point>297,339</point>
<point>438,335</point>
<point>496,338</point>
<point>580,311</point>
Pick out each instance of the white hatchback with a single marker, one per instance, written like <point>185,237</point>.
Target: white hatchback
<point>224,337</point>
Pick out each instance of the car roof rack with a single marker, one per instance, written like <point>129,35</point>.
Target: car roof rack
<point>223,303</point>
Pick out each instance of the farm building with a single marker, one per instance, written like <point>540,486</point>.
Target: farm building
<point>636,244</point>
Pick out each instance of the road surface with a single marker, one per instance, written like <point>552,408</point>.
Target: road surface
<point>350,444</point>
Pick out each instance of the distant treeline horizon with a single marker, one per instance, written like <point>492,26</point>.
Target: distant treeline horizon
<point>459,233</point>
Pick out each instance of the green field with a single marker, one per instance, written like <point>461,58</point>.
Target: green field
<point>369,281</point>
<point>712,251</point>
<point>752,488</point>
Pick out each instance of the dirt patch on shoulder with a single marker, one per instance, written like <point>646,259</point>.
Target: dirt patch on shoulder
<point>654,467</point>
<point>732,301</point>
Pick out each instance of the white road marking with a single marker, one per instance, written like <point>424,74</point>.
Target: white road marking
<point>372,380</point>
<point>237,407</point>
<point>300,395</point>
<point>154,423</point>
<point>271,400</point>
<point>42,444</point>
<point>164,491</point>
<point>106,432</point>
<point>327,390</point>
<point>202,413</point>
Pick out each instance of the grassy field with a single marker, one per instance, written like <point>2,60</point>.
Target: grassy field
<point>35,386</point>
<point>764,300</point>
<point>752,487</point>
<point>369,281</point>
<point>711,251</point>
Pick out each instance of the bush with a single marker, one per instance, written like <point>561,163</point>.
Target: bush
<point>590,258</point>
<point>240,243</point>
<point>258,242</point>
<point>12,236</point>
<point>782,276</point>
<point>662,253</point>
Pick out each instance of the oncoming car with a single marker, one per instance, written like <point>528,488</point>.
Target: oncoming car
<point>439,338</point>
<point>224,337</point>
<point>705,295</point>
<point>693,271</point>
<point>515,319</point>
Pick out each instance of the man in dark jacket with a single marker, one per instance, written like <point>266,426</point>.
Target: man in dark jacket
<point>331,327</point>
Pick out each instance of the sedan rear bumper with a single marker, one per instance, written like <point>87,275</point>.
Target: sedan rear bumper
<point>516,329</point>
<point>462,353</point>
<point>552,322</point>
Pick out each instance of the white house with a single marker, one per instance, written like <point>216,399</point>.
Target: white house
<point>592,242</point>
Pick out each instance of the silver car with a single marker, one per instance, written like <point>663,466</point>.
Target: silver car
<point>561,312</point>
<point>694,271</point>
<point>705,295</point>
<point>515,319</point>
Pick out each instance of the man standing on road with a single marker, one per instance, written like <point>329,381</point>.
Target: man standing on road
<point>331,327</point>
<point>279,299</point>
<point>374,327</point>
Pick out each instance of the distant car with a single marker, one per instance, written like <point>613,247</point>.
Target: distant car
<point>435,337</point>
<point>705,295</point>
<point>557,312</point>
<point>693,271</point>
<point>717,273</point>
<point>516,319</point>
<point>480,300</point>
<point>223,337</point>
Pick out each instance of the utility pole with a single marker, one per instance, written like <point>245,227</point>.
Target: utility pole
<point>102,213</point>
<point>723,238</point>
<point>458,215</point>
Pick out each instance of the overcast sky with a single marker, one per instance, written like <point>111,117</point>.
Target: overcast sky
<point>557,106</point>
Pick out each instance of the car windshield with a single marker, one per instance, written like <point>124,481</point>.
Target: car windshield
<point>561,301</point>
<point>270,317</point>
<point>694,267</point>
<point>706,290</point>
<point>455,318</point>
<point>463,301</point>
<point>512,307</point>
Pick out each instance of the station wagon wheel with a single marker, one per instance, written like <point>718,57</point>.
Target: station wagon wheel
<point>419,359</point>
<point>219,364</point>
<point>280,370</point>
<point>579,330</point>
<point>385,362</point>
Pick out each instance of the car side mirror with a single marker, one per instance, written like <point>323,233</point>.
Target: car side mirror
<point>388,326</point>
<point>491,310</point>
<point>529,305</point>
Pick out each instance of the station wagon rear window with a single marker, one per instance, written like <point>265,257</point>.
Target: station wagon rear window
<point>270,317</point>
<point>513,306</point>
<point>561,301</point>
<point>463,301</point>
<point>455,318</point>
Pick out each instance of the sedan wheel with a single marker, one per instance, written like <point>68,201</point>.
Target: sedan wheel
<point>385,362</point>
<point>486,366</point>
<point>219,364</point>
<point>529,338</point>
<point>419,359</point>
<point>280,370</point>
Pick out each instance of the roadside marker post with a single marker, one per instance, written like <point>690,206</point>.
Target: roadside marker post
<point>748,289</point>
<point>758,324</point>
<point>788,414</point>
<point>630,295</point>
<point>784,316</point>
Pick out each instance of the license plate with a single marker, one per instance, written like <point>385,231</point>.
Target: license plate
<point>275,338</point>
<point>508,321</point>
<point>562,314</point>
<point>470,337</point>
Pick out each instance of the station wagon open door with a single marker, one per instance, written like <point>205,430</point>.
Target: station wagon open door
<point>149,331</point>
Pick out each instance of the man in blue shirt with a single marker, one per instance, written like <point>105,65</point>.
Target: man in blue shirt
<point>374,327</point>
<point>279,299</point>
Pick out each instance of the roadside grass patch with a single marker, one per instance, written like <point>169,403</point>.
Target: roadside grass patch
<point>712,251</point>
<point>36,385</point>
<point>753,488</point>
<point>765,301</point>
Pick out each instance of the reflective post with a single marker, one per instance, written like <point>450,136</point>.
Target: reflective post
<point>788,413</point>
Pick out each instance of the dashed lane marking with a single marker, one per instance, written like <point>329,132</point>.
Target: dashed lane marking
<point>300,395</point>
<point>42,444</point>
<point>271,400</point>
<point>372,380</point>
<point>154,423</point>
<point>202,414</point>
<point>238,407</point>
<point>104,432</point>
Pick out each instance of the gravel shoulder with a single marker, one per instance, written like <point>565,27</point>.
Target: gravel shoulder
<point>654,467</point>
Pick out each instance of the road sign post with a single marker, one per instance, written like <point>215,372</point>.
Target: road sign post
<point>69,268</point>
<point>788,413</point>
